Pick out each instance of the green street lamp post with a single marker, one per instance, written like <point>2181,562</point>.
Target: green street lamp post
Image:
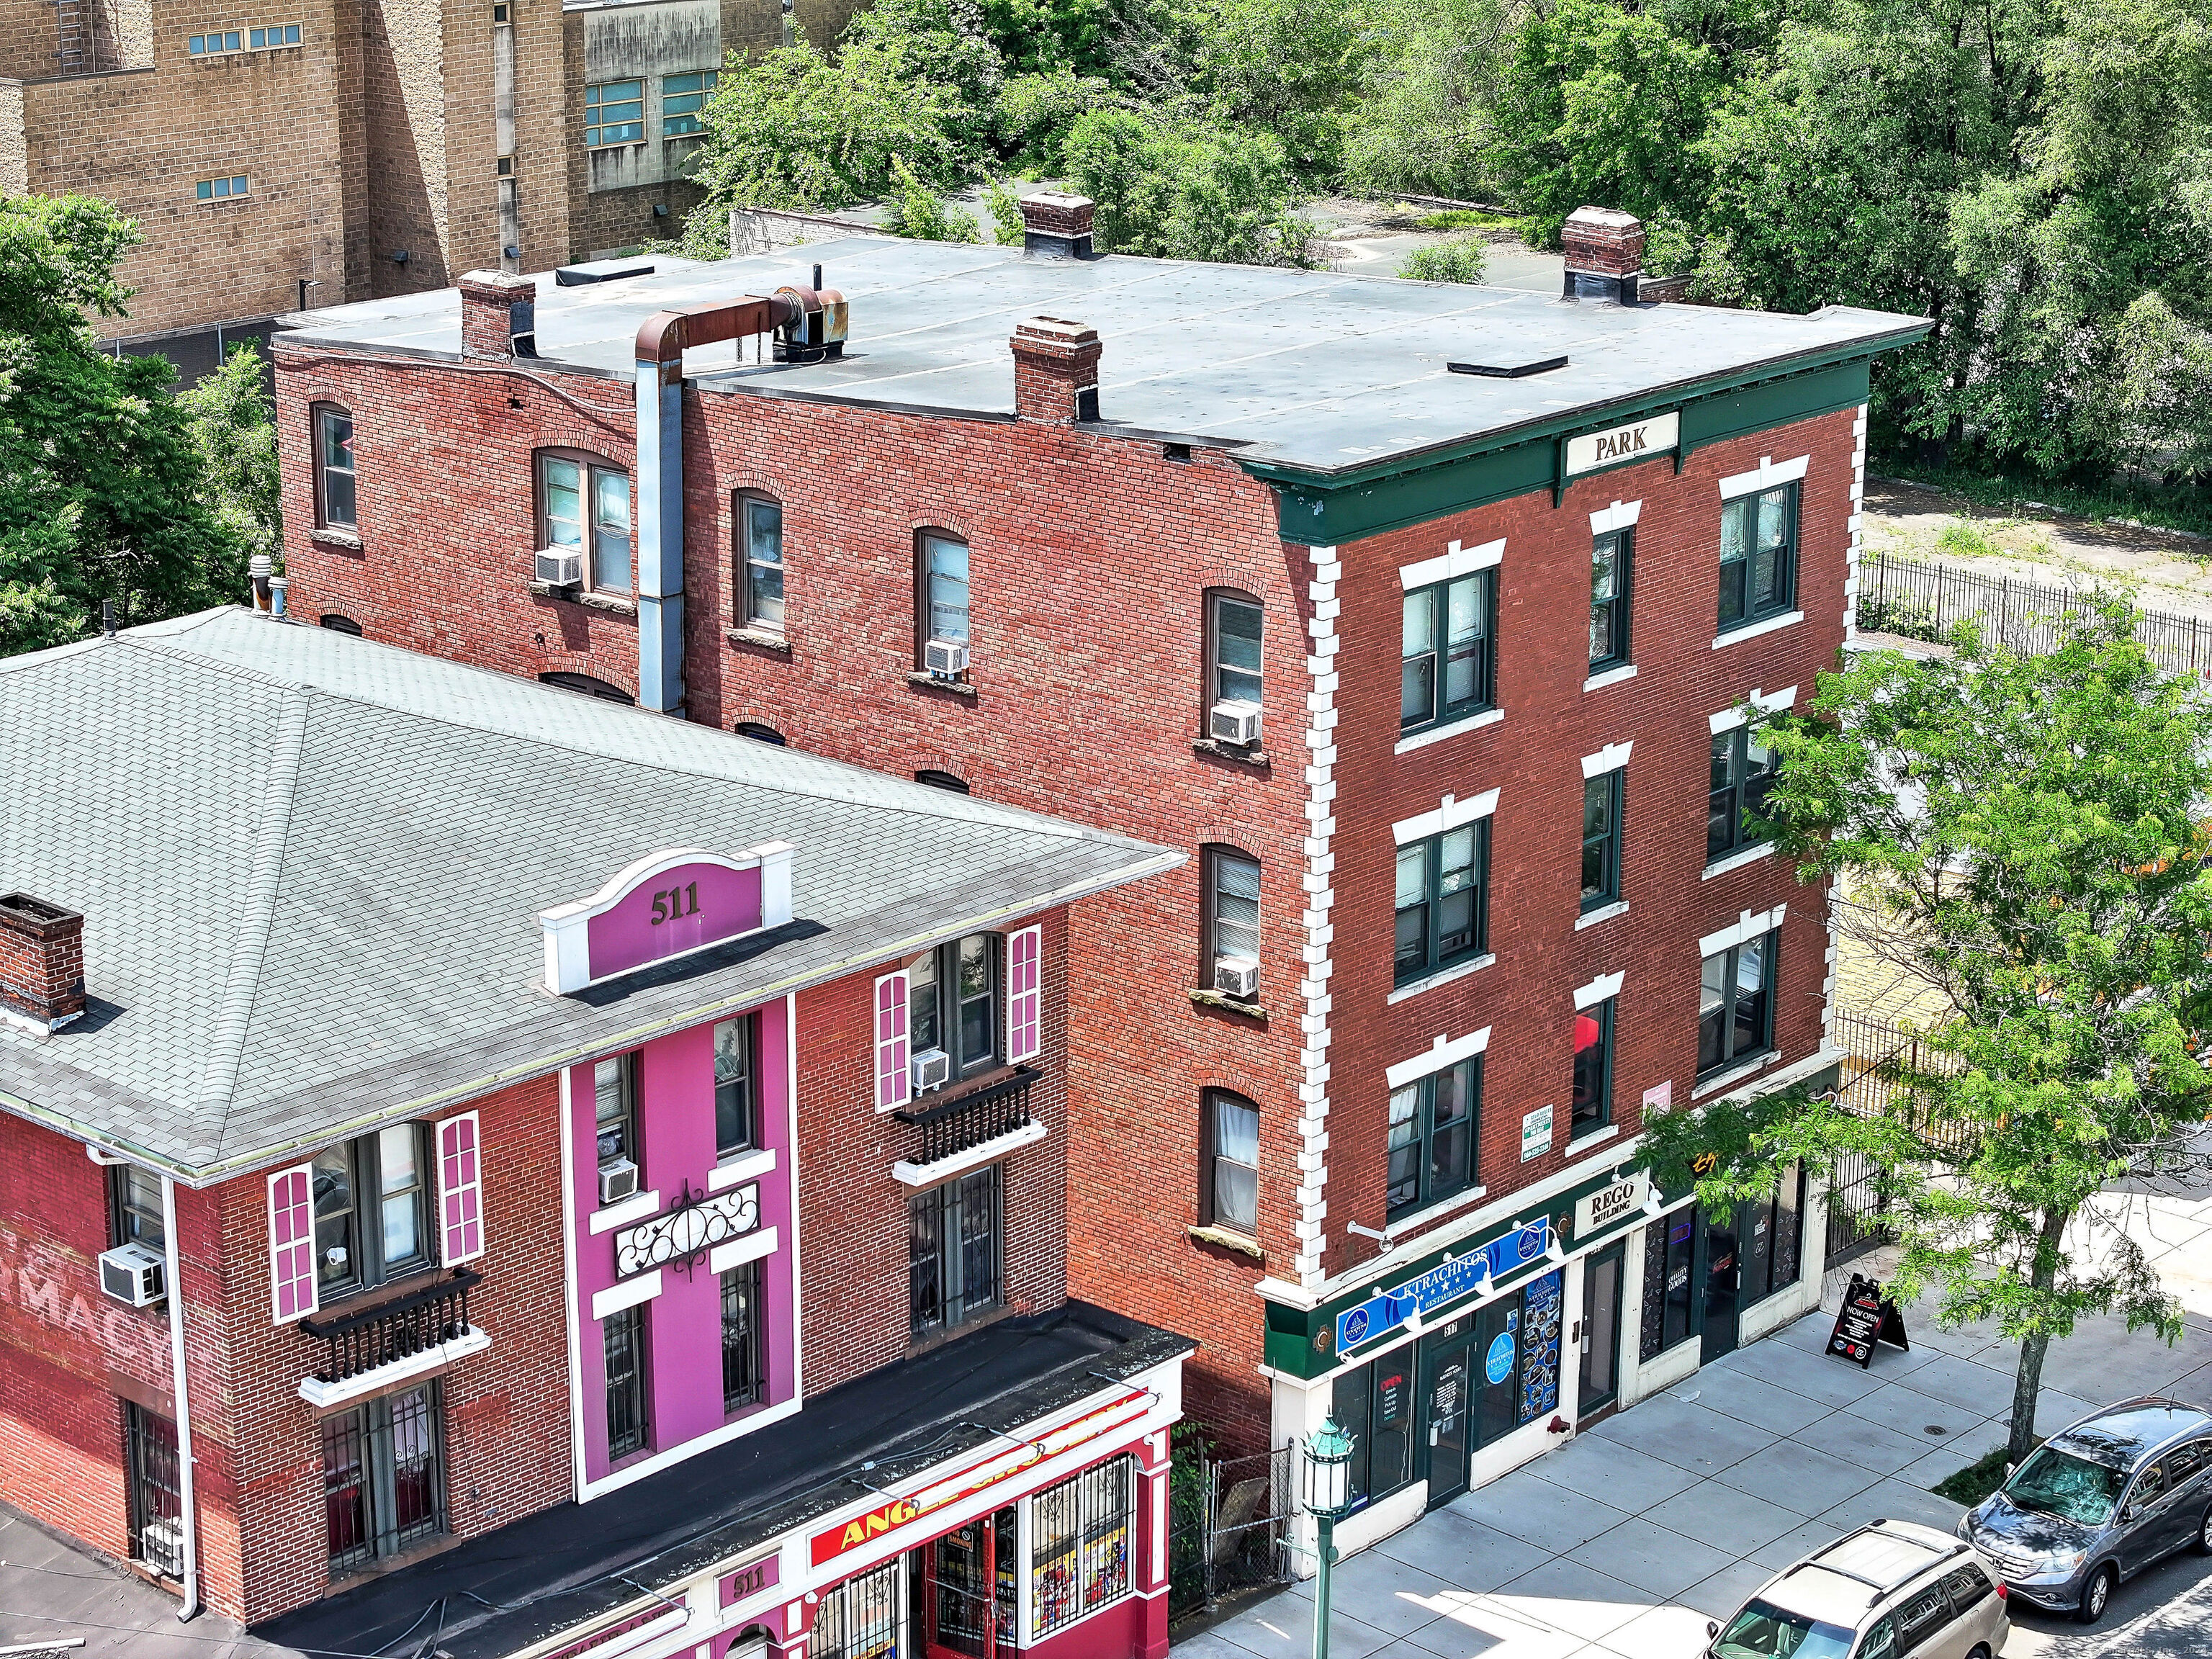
<point>1327,1498</point>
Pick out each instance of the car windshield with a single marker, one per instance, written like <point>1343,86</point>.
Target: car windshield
<point>2072,1488</point>
<point>1762,1628</point>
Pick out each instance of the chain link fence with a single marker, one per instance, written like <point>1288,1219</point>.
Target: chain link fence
<point>1231,1527</point>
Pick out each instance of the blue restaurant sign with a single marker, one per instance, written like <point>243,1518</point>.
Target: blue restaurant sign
<point>1443,1285</point>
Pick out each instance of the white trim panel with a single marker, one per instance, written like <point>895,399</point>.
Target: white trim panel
<point>1448,815</point>
<point>1604,986</point>
<point>751,1247</point>
<point>1735,636</point>
<point>628,1294</point>
<point>1445,1051</point>
<point>1610,676</point>
<point>1457,560</point>
<point>1739,714</point>
<point>636,1207</point>
<point>1768,473</point>
<point>1619,516</point>
<point>745,1166</point>
<point>1611,758</point>
<point>1439,733</point>
<point>1751,925</point>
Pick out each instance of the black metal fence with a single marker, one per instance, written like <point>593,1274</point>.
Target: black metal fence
<point>1231,1525</point>
<point>1924,600</point>
<point>1875,1053</point>
<point>398,1329</point>
<point>968,1120</point>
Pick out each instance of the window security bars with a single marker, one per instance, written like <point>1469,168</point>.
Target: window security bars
<point>860,1618</point>
<point>623,1335</point>
<point>155,1509</point>
<point>954,1252</point>
<point>383,1477</point>
<point>1079,1560</point>
<point>744,1381</point>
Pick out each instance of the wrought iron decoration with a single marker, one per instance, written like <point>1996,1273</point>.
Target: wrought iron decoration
<point>685,1233</point>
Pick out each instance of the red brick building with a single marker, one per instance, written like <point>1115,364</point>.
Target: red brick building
<point>445,1101</point>
<point>1426,620</point>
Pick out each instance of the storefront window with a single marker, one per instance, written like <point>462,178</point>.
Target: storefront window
<point>1376,1404</point>
<point>1540,1303</point>
<point>1772,1231</point>
<point>1668,1244</point>
<point>859,1619</point>
<point>1080,1558</point>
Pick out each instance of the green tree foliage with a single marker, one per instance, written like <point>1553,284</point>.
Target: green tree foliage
<point>1190,192</point>
<point>2019,838</point>
<point>101,486</point>
<point>233,423</point>
<point>1288,68</point>
<point>1459,260</point>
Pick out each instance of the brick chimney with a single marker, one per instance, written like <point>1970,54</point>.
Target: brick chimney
<point>499,315</point>
<point>1056,226</point>
<point>41,961</point>
<point>1055,371</point>
<point>1605,254</point>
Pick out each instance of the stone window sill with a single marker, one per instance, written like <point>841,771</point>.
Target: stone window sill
<point>1613,676</point>
<point>921,682</point>
<point>1202,998</point>
<point>1737,859</point>
<point>1603,913</point>
<point>1258,759</point>
<point>1459,971</point>
<point>1753,630</point>
<point>1226,1239</point>
<point>591,601</point>
<point>328,535</point>
<point>1592,1137</point>
<point>769,644</point>
<point>1439,733</point>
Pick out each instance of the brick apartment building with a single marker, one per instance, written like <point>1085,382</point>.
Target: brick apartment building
<point>364,147</point>
<point>1426,620</point>
<point>430,1102</point>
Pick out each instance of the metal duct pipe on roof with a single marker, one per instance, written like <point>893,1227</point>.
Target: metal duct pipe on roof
<point>661,344</point>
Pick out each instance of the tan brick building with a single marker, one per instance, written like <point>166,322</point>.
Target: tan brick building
<point>365,147</point>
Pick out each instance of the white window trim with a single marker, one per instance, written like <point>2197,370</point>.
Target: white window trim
<point>1603,913</point>
<point>1451,813</point>
<point>616,1297</point>
<point>1611,758</point>
<point>1750,926</point>
<point>1739,714</point>
<point>1444,1051</point>
<point>621,1213</point>
<point>760,1242</point>
<point>1610,676</point>
<point>1735,1074</point>
<point>1598,990</point>
<point>740,1168</point>
<point>1768,473</point>
<point>1737,859</point>
<point>1619,516</point>
<point>1458,970</point>
<point>1457,560</point>
<point>1439,733</point>
<point>1737,635</point>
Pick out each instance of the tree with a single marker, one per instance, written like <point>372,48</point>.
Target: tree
<point>1188,192</point>
<point>1459,260</point>
<point>233,424</point>
<point>1289,67</point>
<point>2017,836</point>
<point>100,485</point>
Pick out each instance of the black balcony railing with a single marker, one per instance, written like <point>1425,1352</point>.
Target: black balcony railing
<point>952,1127</point>
<point>355,1343</point>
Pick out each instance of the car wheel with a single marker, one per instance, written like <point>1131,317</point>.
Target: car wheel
<point>2204,1532</point>
<point>2096,1594</point>
<point>1979,1652</point>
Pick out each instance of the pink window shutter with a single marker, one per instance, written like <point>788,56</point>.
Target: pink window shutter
<point>461,1190</point>
<point>1024,997</point>
<point>292,1244</point>
<point>894,1083</point>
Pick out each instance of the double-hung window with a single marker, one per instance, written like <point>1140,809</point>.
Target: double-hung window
<point>1447,670</point>
<point>1759,555</point>
<point>760,564</point>
<point>1232,922</point>
<point>1231,1197</point>
<point>1592,1107</point>
<point>384,1484</point>
<point>134,1207</point>
<point>614,113</point>
<point>1609,591</point>
<point>1442,901</point>
<point>335,477</point>
<point>683,99</point>
<point>372,1209</point>
<point>737,1127</point>
<point>953,1263</point>
<point>1232,627</point>
<point>622,1339</point>
<point>1433,1136</point>
<point>1601,803</point>
<point>953,1001</point>
<point>1735,1003</point>
<point>614,1096</point>
<point>1744,773</point>
<point>743,1381</point>
<point>940,590</point>
<point>584,507</point>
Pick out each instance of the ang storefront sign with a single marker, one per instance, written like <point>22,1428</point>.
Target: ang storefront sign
<point>1441,1286</point>
<point>888,1518</point>
<point>1609,1205</point>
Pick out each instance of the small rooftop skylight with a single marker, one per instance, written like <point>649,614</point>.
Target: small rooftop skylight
<point>1508,371</point>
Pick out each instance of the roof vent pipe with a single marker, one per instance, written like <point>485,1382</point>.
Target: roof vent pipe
<point>259,567</point>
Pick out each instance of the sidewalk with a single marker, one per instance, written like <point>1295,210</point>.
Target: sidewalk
<point>1623,1542</point>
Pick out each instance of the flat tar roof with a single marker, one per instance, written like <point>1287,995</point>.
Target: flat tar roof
<point>1318,371</point>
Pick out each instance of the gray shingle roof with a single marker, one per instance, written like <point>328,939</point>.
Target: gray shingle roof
<point>312,865</point>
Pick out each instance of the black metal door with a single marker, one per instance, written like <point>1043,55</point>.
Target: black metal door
<point>1723,1277</point>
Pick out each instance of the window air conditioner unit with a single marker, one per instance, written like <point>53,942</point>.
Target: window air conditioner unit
<point>132,1274</point>
<point>930,1068</point>
<point>617,1181</point>
<point>946,659</point>
<point>1237,976</point>
<point>161,1547</point>
<point>1235,722</point>
<point>560,569</point>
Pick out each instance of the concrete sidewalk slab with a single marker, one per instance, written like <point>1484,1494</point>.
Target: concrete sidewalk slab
<point>1617,1475</point>
<point>1652,1557</point>
<point>1686,1434</point>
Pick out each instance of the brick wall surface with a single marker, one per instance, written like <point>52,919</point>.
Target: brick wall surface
<point>1091,557</point>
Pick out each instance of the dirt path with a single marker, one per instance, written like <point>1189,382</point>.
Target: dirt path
<point>2165,569</point>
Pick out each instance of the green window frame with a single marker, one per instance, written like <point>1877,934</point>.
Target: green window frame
<point>684,101</point>
<point>1759,556</point>
<point>1612,556</point>
<point>1745,771</point>
<point>1447,669</point>
<point>1602,804</point>
<point>1735,1003</point>
<point>1435,1126</point>
<point>1443,910</point>
<point>614,113</point>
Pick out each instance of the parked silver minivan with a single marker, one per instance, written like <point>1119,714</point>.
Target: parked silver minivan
<point>1893,1590</point>
<point>2099,1502</point>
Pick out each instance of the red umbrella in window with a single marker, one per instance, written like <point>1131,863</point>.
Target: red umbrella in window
<point>1586,1032</point>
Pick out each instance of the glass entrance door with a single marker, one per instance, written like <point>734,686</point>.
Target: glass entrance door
<point>1601,1330</point>
<point>968,1588</point>
<point>1723,1277</point>
<point>1447,1371</point>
